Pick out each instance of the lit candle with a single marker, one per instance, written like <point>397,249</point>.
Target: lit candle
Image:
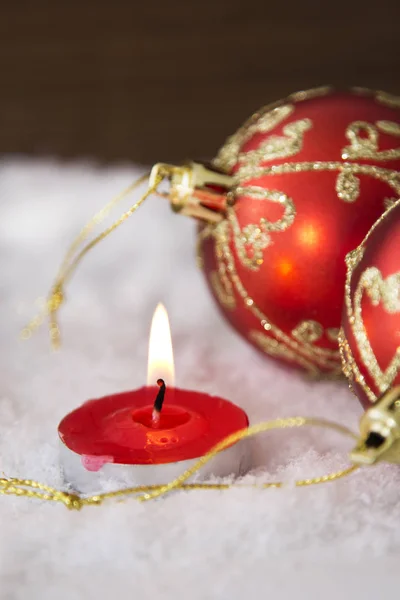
<point>150,435</point>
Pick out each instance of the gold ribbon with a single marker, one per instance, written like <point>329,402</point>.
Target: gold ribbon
<point>32,489</point>
<point>74,256</point>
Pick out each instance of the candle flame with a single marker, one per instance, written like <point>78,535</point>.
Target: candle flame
<point>161,358</point>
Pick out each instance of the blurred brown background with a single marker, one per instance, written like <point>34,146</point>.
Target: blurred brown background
<point>168,80</point>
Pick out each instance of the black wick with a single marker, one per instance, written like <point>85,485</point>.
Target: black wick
<point>159,401</point>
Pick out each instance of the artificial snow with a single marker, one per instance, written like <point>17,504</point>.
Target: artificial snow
<point>340,539</point>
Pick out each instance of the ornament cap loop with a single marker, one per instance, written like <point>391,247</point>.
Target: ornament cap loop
<point>380,431</point>
<point>196,190</point>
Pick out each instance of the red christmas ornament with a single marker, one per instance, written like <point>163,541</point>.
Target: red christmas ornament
<point>370,335</point>
<point>310,175</point>
<point>287,198</point>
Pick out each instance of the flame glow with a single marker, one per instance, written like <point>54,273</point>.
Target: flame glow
<point>161,358</point>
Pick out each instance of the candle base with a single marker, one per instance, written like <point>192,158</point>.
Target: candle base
<point>111,442</point>
<point>89,475</point>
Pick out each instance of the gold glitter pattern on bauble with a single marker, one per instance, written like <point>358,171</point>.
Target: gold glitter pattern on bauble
<point>266,119</point>
<point>308,331</point>
<point>392,178</point>
<point>251,241</point>
<point>347,185</point>
<point>277,146</point>
<point>380,290</point>
<point>223,289</point>
<point>389,127</point>
<point>351,370</point>
<point>317,92</point>
<point>311,331</point>
<point>332,334</point>
<point>388,99</point>
<point>274,348</point>
<point>388,202</point>
<point>364,141</point>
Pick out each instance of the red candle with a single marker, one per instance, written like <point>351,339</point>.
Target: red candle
<point>148,435</point>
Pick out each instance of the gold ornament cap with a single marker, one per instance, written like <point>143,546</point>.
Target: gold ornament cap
<point>380,431</point>
<point>196,189</point>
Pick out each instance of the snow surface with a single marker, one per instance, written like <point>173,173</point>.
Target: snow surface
<point>335,540</point>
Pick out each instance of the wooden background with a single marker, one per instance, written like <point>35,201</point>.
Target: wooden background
<point>170,80</point>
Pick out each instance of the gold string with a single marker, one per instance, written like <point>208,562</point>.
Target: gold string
<point>249,432</point>
<point>73,257</point>
<point>32,489</point>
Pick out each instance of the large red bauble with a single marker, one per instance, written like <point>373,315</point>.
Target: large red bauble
<point>370,335</point>
<point>312,173</point>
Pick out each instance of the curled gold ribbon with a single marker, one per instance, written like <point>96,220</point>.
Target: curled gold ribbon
<point>74,256</point>
<point>32,489</point>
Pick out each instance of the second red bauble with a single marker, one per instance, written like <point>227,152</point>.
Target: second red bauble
<point>312,173</point>
<point>370,336</point>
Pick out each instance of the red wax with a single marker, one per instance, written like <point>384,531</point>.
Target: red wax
<point>119,429</point>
